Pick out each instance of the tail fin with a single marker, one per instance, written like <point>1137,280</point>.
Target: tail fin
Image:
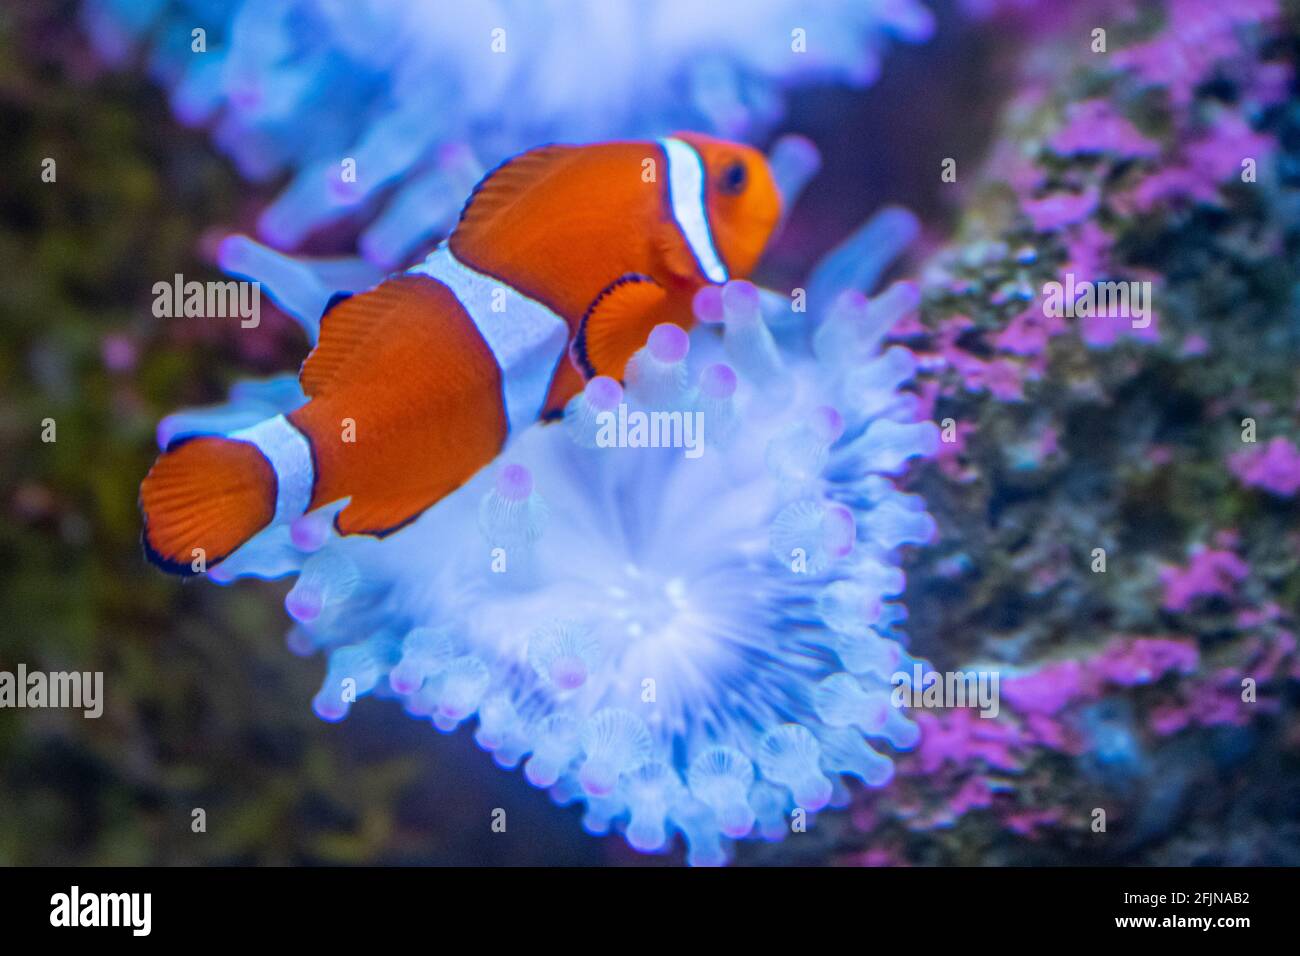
<point>204,497</point>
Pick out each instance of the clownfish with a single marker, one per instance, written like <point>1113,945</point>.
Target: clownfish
<point>563,261</point>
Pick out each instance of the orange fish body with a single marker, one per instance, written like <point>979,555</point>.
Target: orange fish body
<point>564,259</point>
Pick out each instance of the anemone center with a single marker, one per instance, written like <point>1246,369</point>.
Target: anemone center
<point>645,602</point>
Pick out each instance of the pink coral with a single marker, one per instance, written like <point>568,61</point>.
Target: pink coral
<point>1047,690</point>
<point>1095,126</point>
<point>1056,210</point>
<point>1209,573</point>
<point>1208,161</point>
<point>1100,331</point>
<point>1029,332</point>
<point>1125,661</point>
<point>1275,467</point>
<point>1197,35</point>
<point>960,736</point>
<point>1144,660</point>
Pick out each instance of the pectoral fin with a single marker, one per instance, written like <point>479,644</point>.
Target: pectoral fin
<point>617,324</point>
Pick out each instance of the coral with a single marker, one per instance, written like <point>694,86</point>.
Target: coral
<point>1097,477</point>
<point>1275,467</point>
<point>1210,573</point>
<point>423,96</point>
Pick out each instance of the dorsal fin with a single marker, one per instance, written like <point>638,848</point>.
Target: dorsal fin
<point>617,323</point>
<point>558,222</point>
<point>413,403</point>
<point>353,324</point>
<point>502,187</point>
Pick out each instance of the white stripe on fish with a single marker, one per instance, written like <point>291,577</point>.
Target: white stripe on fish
<point>526,337</point>
<point>287,450</point>
<point>686,193</point>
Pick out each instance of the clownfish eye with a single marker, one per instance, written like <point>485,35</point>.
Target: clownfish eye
<point>733,178</point>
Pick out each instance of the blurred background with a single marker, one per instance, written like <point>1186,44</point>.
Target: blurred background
<point>205,707</point>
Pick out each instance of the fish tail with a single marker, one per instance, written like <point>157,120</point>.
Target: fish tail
<point>203,498</point>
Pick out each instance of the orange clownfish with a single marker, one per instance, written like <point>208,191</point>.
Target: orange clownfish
<point>563,261</point>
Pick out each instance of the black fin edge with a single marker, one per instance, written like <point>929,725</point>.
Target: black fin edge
<point>580,339</point>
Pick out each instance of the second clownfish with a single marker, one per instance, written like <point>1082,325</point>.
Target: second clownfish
<point>564,259</point>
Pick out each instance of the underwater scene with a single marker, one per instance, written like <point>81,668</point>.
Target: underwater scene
<point>595,433</point>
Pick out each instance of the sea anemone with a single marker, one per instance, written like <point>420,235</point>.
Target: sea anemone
<point>696,636</point>
<point>388,111</point>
